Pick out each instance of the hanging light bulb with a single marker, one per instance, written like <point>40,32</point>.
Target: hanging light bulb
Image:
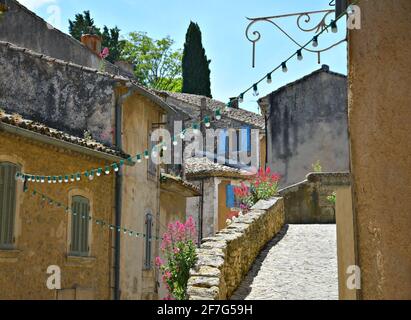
<point>284,67</point>
<point>165,147</point>
<point>139,158</point>
<point>334,28</point>
<point>42,179</point>
<point>255,89</point>
<point>241,98</point>
<point>49,179</point>
<point>196,131</point>
<point>78,177</point>
<point>115,167</point>
<point>175,142</point>
<point>91,176</point>
<point>107,170</point>
<point>299,55</point>
<point>72,179</point>
<point>218,115</point>
<point>66,179</point>
<point>38,179</point>
<point>60,179</point>
<point>99,172</point>
<point>269,78</point>
<point>315,41</point>
<point>207,121</point>
<point>146,155</point>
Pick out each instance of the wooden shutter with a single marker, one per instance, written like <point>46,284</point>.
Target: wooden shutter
<point>8,190</point>
<point>230,198</point>
<point>149,224</point>
<point>80,226</point>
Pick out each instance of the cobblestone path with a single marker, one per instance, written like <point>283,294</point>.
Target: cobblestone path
<point>298,264</point>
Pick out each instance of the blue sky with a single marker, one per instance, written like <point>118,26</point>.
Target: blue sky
<point>223,24</point>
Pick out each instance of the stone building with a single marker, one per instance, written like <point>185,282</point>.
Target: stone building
<point>217,171</point>
<point>63,89</point>
<point>306,124</point>
<point>36,233</point>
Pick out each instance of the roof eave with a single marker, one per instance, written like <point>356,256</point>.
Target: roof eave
<point>60,143</point>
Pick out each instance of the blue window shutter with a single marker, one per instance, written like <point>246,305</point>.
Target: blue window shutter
<point>222,142</point>
<point>230,198</point>
<point>248,139</point>
<point>245,139</point>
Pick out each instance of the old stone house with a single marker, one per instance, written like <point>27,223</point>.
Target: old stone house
<point>307,123</point>
<point>216,172</point>
<point>63,89</point>
<point>37,232</point>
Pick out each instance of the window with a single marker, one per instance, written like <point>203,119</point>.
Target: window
<point>232,201</point>
<point>80,227</point>
<point>148,240</point>
<point>8,189</point>
<point>245,140</point>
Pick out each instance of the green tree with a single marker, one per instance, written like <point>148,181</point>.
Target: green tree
<point>157,65</point>
<point>196,66</point>
<point>84,24</point>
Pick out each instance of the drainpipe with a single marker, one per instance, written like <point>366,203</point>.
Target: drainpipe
<point>118,192</point>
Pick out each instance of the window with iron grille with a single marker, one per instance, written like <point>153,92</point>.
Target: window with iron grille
<point>80,227</point>
<point>148,241</point>
<point>8,189</point>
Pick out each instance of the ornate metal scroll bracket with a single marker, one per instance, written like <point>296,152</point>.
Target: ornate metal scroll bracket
<point>303,22</point>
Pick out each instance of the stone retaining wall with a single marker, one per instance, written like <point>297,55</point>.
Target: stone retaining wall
<point>306,202</point>
<point>224,260</point>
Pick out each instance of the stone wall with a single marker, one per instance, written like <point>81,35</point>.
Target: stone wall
<point>67,97</point>
<point>306,123</point>
<point>42,231</point>
<point>306,202</point>
<point>224,260</point>
<point>24,28</point>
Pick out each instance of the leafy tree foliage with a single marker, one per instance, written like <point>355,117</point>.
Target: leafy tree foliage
<point>157,64</point>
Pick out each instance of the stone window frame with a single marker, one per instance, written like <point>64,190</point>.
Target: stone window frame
<point>21,164</point>
<point>89,196</point>
<point>148,265</point>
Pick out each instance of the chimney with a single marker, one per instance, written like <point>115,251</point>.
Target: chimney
<point>234,103</point>
<point>93,42</point>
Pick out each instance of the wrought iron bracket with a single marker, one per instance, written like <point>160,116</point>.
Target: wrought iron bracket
<point>303,18</point>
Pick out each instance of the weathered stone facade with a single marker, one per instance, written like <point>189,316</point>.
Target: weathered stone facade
<point>306,202</point>
<point>306,123</point>
<point>42,230</point>
<point>224,260</point>
<point>68,97</point>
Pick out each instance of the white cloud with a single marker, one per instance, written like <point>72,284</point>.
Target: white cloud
<point>35,4</point>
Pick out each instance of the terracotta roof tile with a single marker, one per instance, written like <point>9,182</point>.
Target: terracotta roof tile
<point>18,121</point>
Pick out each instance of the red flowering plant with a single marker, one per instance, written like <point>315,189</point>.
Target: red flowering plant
<point>179,250</point>
<point>264,187</point>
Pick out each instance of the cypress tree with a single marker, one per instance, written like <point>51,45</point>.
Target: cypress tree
<point>196,70</point>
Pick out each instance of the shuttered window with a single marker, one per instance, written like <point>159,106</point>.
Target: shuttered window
<point>148,240</point>
<point>230,197</point>
<point>80,227</point>
<point>8,189</point>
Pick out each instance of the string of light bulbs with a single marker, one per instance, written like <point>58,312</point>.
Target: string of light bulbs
<point>99,222</point>
<point>283,65</point>
<point>116,166</point>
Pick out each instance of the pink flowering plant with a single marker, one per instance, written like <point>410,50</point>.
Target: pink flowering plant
<point>263,187</point>
<point>179,250</point>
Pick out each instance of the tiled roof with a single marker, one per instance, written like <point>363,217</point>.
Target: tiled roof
<point>194,189</point>
<point>241,115</point>
<point>204,167</point>
<point>324,69</point>
<point>19,122</point>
